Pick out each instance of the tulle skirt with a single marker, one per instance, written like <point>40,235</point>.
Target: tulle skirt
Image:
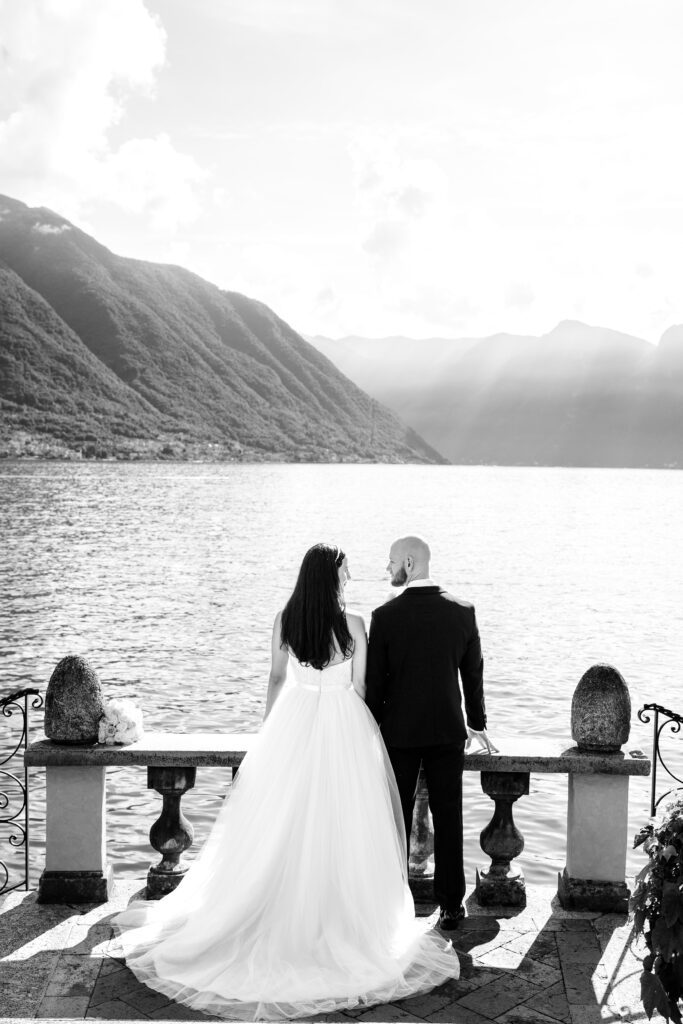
<point>298,903</point>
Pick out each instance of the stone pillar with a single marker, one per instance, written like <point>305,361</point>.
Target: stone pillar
<point>421,862</point>
<point>597,826</point>
<point>499,884</point>
<point>75,861</point>
<point>597,812</point>
<point>171,833</point>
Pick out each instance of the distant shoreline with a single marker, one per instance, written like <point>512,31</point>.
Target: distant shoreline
<point>253,459</point>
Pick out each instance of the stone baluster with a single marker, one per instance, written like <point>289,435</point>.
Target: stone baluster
<point>171,833</point>
<point>501,840</point>
<point>76,869</point>
<point>421,862</point>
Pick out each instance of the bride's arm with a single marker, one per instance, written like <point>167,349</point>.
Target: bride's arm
<point>360,652</point>
<point>278,667</point>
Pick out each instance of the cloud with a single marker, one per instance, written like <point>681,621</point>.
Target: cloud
<point>394,192</point>
<point>70,68</point>
<point>386,238</point>
<point>351,19</point>
<point>519,295</point>
<point>149,176</point>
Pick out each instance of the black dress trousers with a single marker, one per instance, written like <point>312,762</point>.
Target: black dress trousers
<point>443,765</point>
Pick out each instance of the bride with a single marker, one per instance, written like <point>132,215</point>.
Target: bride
<point>298,903</point>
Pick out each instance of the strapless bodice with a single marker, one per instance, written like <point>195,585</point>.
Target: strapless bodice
<point>332,677</point>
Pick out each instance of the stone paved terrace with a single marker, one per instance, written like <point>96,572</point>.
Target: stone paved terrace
<point>536,966</point>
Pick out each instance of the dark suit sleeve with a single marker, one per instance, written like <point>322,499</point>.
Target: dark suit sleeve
<point>472,675</point>
<point>377,669</point>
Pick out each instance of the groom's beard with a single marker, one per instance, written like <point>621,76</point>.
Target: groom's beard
<point>400,578</point>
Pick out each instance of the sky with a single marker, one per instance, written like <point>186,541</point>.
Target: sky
<point>424,168</point>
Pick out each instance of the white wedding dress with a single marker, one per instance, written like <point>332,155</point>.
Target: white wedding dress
<point>298,903</point>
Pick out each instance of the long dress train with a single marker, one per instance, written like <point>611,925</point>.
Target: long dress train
<point>298,903</point>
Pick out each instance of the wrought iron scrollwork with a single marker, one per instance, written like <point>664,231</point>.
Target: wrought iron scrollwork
<point>673,721</point>
<point>14,795</point>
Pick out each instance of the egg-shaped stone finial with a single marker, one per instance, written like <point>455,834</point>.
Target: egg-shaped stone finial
<point>73,702</point>
<point>601,710</point>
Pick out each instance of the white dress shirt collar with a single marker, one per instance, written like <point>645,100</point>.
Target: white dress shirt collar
<point>420,583</point>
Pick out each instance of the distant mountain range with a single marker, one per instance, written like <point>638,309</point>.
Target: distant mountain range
<point>103,356</point>
<point>578,396</point>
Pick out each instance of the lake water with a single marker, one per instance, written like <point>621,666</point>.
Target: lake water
<point>167,578</point>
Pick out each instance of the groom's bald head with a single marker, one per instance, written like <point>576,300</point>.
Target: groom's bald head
<point>408,560</point>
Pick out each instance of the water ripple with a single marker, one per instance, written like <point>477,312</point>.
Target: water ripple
<point>168,578</point>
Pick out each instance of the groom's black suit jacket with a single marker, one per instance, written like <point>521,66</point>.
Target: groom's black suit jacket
<point>418,643</point>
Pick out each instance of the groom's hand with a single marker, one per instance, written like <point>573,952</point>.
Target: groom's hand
<point>479,736</point>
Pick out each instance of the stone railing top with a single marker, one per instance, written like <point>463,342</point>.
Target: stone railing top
<point>533,754</point>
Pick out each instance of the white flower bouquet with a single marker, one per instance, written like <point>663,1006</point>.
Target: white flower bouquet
<point>121,722</point>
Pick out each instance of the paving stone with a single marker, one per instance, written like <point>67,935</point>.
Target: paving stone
<point>593,1013</point>
<point>455,1012</point>
<point>541,946</point>
<point>63,1006</point>
<point>388,1012</point>
<point>523,966</point>
<point>115,1009</point>
<point>338,1015</point>
<point>479,924</point>
<point>118,985</point>
<point>23,942</point>
<point>13,899</point>
<point>471,978</point>
<point>578,924</point>
<point>479,942</point>
<point>525,1014</point>
<point>624,995</point>
<point>610,922</point>
<point>145,999</point>
<point>498,996</point>
<point>518,925</point>
<point>176,1011</point>
<point>90,940</point>
<point>23,983</point>
<point>422,1005</point>
<point>567,924</point>
<point>584,983</point>
<point>111,966</point>
<point>577,940</point>
<point>578,947</point>
<point>552,1001</point>
<point>620,966</point>
<point>618,950</point>
<point>73,976</point>
<point>601,966</point>
<point>558,911</point>
<point>621,938</point>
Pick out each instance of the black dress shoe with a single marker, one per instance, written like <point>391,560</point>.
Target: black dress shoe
<point>450,919</point>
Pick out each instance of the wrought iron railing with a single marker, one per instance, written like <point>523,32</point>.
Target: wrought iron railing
<point>674,721</point>
<point>14,802</point>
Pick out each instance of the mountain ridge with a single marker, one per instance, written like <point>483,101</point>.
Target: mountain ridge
<point>181,366</point>
<point>576,395</point>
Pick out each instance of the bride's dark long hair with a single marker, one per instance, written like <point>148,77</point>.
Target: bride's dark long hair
<point>314,616</point>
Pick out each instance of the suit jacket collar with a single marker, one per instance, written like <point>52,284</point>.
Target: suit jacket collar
<point>413,591</point>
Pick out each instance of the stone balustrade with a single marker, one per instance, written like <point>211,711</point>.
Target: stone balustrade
<point>597,815</point>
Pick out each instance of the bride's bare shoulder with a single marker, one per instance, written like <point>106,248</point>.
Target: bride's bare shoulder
<point>356,622</point>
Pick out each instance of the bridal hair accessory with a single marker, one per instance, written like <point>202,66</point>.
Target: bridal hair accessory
<point>120,723</point>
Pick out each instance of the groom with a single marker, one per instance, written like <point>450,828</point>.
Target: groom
<point>418,643</point>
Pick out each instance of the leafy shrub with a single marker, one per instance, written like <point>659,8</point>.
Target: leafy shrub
<point>657,905</point>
